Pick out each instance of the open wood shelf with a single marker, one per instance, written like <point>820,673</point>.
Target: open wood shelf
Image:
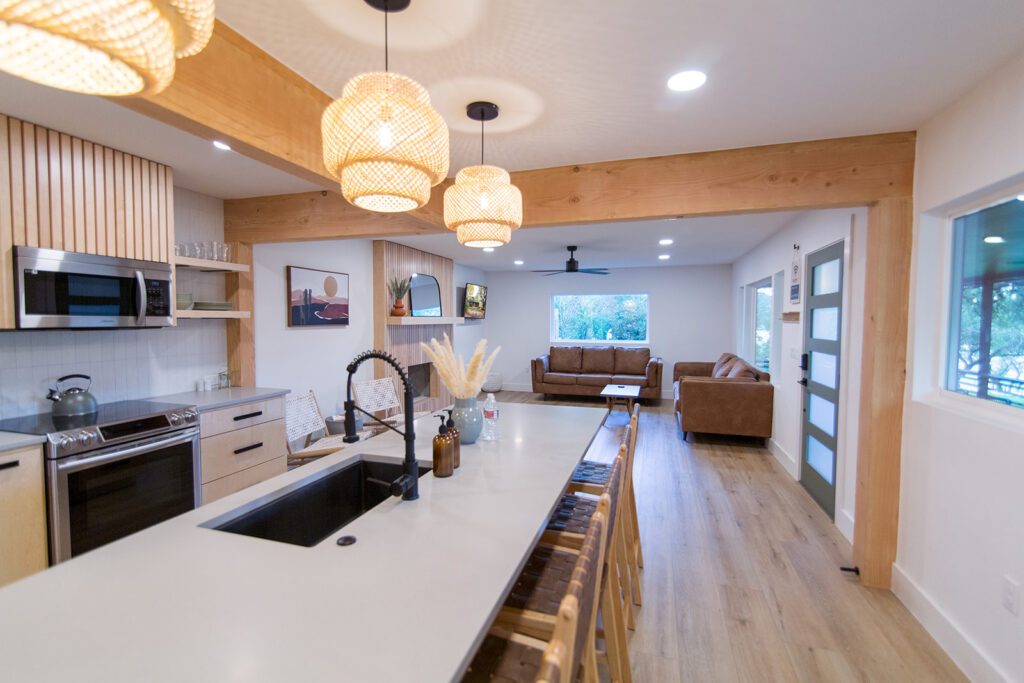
<point>209,265</point>
<point>214,314</point>
<point>410,320</point>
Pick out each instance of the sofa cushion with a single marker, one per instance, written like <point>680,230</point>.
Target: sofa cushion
<point>739,369</point>
<point>593,380</point>
<point>631,361</point>
<point>559,378</point>
<point>598,359</point>
<point>565,359</point>
<point>635,380</point>
<point>725,359</point>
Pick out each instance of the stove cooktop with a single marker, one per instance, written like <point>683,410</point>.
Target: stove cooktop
<point>45,424</point>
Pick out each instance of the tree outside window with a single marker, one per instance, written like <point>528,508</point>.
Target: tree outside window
<point>599,317</point>
<point>763,325</point>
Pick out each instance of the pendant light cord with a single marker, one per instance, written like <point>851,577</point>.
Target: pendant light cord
<point>385,35</point>
<point>481,140</point>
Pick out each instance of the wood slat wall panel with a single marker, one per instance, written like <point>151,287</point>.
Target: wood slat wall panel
<point>28,144</point>
<point>403,342</point>
<point>63,192</point>
<point>6,228</point>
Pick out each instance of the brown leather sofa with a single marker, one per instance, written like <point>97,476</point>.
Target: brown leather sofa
<point>585,371</point>
<point>729,396</point>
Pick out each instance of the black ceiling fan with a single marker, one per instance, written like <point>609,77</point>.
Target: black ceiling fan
<point>573,266</point>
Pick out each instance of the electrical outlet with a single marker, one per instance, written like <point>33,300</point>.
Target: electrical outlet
<point>1011,595</point>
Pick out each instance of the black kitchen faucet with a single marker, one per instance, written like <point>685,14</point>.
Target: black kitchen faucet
<point>407,485</point>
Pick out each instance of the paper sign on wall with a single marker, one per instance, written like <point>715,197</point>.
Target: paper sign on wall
<point>794,276</point>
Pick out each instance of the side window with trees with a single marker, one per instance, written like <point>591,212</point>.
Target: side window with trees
<point>986,337</point>
<point>599,317</point>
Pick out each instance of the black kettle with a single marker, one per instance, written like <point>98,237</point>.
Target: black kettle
<point>73,400</point>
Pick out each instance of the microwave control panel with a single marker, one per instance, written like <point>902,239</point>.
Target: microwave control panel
<point>158,297</point>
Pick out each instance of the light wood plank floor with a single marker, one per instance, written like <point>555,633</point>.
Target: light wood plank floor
<point>741,579</point>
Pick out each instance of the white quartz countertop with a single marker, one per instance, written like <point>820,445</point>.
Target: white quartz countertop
<point>221,398</point>
<point>408,601</point>
<point>11,440</point>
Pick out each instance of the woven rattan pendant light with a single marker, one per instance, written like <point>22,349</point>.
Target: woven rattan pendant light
<point>101,47</point>
<point>382,139</point>
<point>483,207</point>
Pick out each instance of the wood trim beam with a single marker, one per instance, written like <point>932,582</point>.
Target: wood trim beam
<point>235,92</point>
<point>882,384</point>
<point>801,175</point>
<point>308,216</point>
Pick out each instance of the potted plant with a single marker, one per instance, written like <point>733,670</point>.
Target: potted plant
<point>399,288</point>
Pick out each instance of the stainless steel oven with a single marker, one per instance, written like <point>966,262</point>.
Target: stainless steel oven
<point>67,289</point>
<point>124,468</point>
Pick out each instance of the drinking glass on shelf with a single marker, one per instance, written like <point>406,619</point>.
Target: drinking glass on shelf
<point>199,250</point>
<point>213,251</point>
<point>225,252</point>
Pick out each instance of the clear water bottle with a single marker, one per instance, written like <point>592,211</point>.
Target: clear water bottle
<point>490,430</point>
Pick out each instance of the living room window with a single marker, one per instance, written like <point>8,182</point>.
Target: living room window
<point>599,318</point>
<point>986,336</point>
<point>762,324</point>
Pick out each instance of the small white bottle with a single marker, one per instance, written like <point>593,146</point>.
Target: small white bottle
<point>490,430</point>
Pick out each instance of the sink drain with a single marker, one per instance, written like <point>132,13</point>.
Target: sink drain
<point>346,540</point>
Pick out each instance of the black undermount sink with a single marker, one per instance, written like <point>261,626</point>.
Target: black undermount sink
<point>313,512</point>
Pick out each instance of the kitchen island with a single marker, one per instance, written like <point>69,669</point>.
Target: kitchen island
<point>409,601</point>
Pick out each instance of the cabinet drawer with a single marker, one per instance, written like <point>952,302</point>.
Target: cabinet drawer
<point>212,422</point>
<point>218,488</point>
<point>22,514</point>
<point>232,452</point>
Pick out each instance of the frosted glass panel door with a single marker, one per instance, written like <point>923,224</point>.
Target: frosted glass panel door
<point>823,315</point>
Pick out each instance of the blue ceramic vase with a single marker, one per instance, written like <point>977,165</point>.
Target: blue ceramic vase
<point>468,419</point>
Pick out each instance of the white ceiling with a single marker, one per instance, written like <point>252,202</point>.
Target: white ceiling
<point>697,241</point>
<point>197,165</point>
<point>584,81</point>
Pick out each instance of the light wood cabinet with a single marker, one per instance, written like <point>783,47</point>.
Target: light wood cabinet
<point>62,192</point>
<point>22,514</point>
<point>241,445</point>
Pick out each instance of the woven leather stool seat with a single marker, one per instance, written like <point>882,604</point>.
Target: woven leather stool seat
<point>572,514</point>
<point>504,661</point>
<point>591,473</point>
<point>543,581</point>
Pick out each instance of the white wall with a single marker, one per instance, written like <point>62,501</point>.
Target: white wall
<point>468,335</point>
<point>303,358</point>
<point>124,364</point>
<point>813,230</point>
<point>961,508</point>
<point>691,313</point>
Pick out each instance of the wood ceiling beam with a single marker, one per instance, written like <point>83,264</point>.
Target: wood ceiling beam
<point>854,171</point>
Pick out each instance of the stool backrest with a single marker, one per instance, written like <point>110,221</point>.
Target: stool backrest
<point>376,394</point>
<point>577,612</point>
<point>302,416</point>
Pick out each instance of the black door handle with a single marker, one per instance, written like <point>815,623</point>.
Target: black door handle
<point>248,415</point>
<point>803,361</point>
<point>802,382</point>
<point>9,465</point>
<point>248,448</point>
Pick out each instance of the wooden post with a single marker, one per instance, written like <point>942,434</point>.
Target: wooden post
<point>241,332</point>
<point>883,378</point>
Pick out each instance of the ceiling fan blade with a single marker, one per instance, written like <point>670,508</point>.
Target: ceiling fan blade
<point>548,271</point>
<point>594,271</point>
<point>553,272</point>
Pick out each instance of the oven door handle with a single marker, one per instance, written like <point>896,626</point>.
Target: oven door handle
<point>115,453</point>
<point>143,298</point>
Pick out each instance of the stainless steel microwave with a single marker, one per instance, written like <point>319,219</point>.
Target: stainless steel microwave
<point>66,289</point>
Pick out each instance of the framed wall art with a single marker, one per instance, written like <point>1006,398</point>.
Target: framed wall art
<point>317,297</point>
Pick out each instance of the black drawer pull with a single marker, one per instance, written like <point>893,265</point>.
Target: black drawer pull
<point>248,415</point>
<point>248,448</point>
<point>9,465</point>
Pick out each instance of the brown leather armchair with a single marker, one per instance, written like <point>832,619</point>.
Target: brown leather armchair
<point>729,396</point>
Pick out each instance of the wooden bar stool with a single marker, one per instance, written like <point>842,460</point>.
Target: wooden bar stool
<point>568,581</point>
<point>566,531</point>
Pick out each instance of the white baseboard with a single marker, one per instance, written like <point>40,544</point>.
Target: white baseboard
<point>960,647</point>
<point>844,522</point>
<point>788,462</point>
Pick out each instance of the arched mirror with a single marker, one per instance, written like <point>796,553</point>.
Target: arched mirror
<point>424,296</point>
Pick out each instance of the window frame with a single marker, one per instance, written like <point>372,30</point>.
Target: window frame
<point>947,361</point>
<point>764,283</point>
<point>598,342</point>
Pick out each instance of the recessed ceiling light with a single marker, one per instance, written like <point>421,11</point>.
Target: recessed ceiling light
<point>663,257</point>
<point>994,239</point>
<point>687,80</point>
<point>488,249</point>
<point>518,262</point>
<point>665,242</point>
<point>222,145</point>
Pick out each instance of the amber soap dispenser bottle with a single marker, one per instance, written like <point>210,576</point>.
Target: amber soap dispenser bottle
<point>456,439</point>
<point>444,452</point>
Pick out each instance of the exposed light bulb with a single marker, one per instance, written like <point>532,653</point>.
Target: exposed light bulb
<point>484,201</point>
<point>385,136</point>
